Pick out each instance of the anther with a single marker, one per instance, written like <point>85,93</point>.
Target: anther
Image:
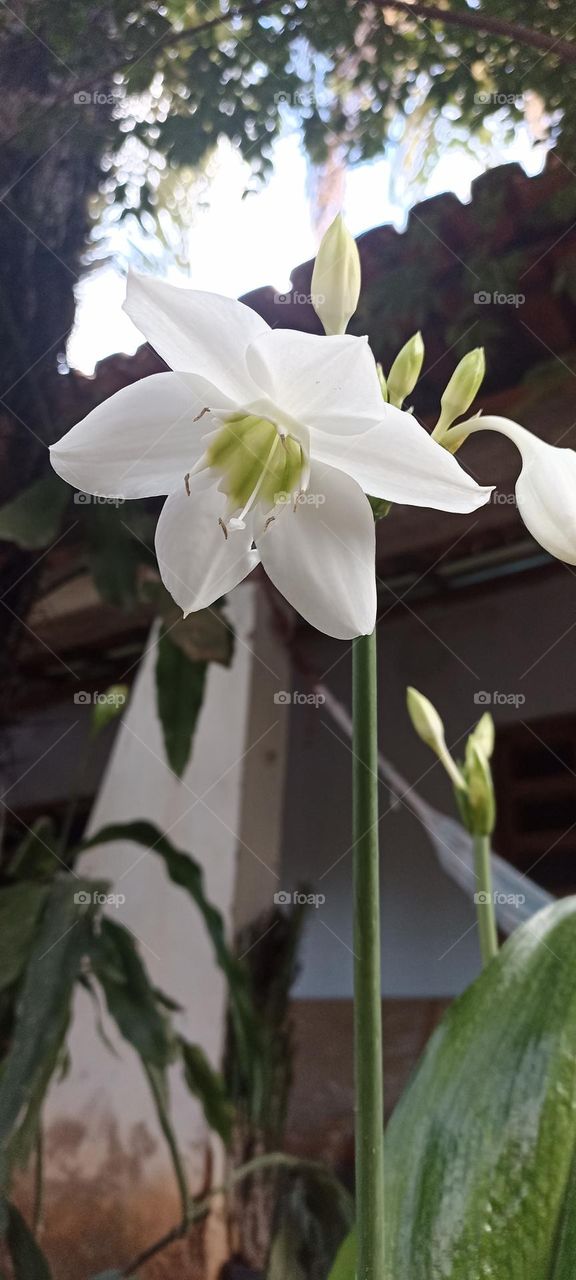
<point>223,527</point>
<point>201,414</point>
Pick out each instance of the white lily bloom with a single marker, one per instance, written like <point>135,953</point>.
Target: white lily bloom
<point>266,442</point>
<point>545,488</point>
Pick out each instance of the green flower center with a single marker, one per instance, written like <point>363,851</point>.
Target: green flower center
<point>256,462</point>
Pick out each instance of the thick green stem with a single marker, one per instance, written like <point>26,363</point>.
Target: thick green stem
<point>367,984</point>
<point>484,898</point>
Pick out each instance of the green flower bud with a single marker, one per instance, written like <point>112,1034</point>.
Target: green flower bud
<point>336,278</point>
<point>483,734</point>
<point>480,799</point>
<point>429,727</point>
<point>405,371</point>
<point>461,391</point>
<point>382,381</point>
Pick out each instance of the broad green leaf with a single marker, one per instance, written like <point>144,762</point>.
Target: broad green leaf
<point>205,636</point>
<point>62,939</point>
<point>208,1086</point>
<point>114,553</point>
<point>28,1261</point>
<point>481,1151</point>
<point>32,520</point>
<point>20,907</point>
<point>179,692</point>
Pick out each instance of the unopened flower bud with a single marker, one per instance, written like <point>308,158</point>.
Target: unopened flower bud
<point>461,391</point>
<point>382,381</point>
<point>405,371</point>
<point>430,729</point>
<point>483,734</point>
<point>480,800</point>
<point>336,278</point>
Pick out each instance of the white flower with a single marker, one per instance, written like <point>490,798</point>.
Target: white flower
<point>266,442</point>
<point>545,488</point>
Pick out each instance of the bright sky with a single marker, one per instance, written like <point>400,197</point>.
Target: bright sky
<point>237,243</point>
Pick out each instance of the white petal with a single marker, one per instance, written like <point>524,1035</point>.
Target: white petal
<point>198,332</point>
<point>322,555</point>
<point>140,442</point>
<point>327,383</point>
<point>198,564</point>
<point>399,461</point>
<point>545,489</point>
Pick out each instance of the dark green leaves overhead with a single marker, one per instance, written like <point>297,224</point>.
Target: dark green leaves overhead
<point>20,907</point>
<point>481,1151</point>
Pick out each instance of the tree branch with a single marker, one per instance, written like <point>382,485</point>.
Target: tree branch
<point>484,24</point>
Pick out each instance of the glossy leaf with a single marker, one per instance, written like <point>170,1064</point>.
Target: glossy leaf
<point>179,691</point>
<point>481,1151</point>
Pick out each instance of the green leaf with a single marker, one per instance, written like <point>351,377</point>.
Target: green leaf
<point>187,873</point>
<point>208,1086</point>
<point>27,1259</point>
<point>62,939</point>
<point>130,997</point>
<point>133,1004</point>
<point>32,520</point>
<point>20,907</point>
<point>36,857</point>
<point>481,1151</point>
<point>179,692</point>
<point>344,1267</point>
